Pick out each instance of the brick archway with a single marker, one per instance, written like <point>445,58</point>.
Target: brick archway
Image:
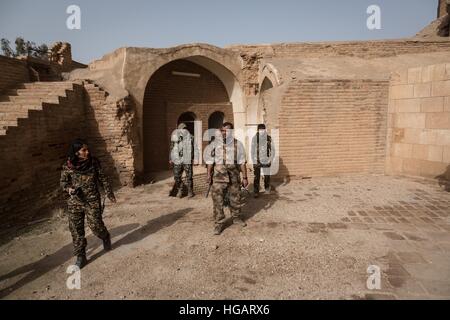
<point>178,88</point>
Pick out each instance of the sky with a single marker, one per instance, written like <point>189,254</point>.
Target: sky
<point>108,25</point>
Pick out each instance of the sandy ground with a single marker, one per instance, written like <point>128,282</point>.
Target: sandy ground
<point>308,239</point>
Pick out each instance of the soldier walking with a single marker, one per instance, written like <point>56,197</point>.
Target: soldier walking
<point>224,169</point>
<point>80,177</point>
<point>183,154</point>
<point>263,154</point>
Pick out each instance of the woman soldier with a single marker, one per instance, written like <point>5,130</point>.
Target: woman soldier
<point>80,177</point>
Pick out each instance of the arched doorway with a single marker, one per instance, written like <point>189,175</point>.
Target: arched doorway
<point>179,91</point>
<point>215,120</point>
<point>188,119</point>
<point>264,100</point>
<point>266,84</point>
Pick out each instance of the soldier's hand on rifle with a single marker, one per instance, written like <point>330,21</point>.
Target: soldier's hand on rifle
<point>170,163</point>
<point>71,191</point>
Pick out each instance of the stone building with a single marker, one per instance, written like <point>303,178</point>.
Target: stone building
<point>371,107</point>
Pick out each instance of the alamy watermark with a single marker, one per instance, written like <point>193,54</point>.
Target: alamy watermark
<point>374,279</point>
<point>74,280</point>
<point>374,20</point>
<point>73,21</point>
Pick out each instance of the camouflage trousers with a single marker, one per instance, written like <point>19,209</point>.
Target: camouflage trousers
<point>178,173</point>
<point>257,178</point>
<point>76,212</point>
<point>218,194</point>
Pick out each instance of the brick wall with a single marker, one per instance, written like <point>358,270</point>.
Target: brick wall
<point>166,89</point>
<point>419,121</point>
<point>361,49</point>
<point>32,154</point>
<point>109,130</point>
<point>330,127</point>
<point>12,72</point>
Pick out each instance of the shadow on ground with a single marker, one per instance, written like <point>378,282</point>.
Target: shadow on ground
<point>36,269</point>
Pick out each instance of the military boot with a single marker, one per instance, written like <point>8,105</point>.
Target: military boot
<point>81,261</point>
<point>240,222</point>
<point>217,229</point>
<point>180,193</point>
<point>191,193</point>
<point>107,244</point>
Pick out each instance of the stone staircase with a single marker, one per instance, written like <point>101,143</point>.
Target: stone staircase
<point>37,121</point>
<point>16,104</point>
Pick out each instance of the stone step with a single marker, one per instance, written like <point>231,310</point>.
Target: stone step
<point>8,123</point>
<point>5,107</point>
<point>36,92</point>
<point>47,85</point>
<point>29,100</point>
<point>13,115</point>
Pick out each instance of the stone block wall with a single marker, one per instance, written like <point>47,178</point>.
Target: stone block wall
<point>419,121</point>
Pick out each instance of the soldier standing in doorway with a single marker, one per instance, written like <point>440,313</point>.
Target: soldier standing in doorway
<point>224,171</point>
<point>80,177</point>
<point>263,153</point>
<point>183,154</point>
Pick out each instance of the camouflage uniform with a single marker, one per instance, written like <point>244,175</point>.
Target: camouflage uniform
<point>86,202</point>
<point>266,150</point>
<point>227,181</point>
<point>182,161</point>
<point>178,173</point>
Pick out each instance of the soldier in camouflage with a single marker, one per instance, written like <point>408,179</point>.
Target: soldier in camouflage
<point>224,169</point>
<point>183,154</point>
<point>263,153</point>
<point>80,177</point>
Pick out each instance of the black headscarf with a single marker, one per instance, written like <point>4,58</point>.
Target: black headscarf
<point>74,162</point>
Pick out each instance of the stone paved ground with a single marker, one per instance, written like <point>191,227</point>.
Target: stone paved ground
<point>309,239</point>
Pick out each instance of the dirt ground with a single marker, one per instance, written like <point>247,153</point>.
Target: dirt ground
<point>308,239</point>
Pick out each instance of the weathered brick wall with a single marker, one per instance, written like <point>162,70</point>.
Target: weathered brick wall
<point>12,72</point>
<point>32,154</point>
<point>165,88</point>
<point>419,121</point>
<point>330,127</point>
<point>361,49</point>
<point>109,130</point>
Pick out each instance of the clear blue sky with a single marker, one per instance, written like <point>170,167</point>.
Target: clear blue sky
<point>107,25</point>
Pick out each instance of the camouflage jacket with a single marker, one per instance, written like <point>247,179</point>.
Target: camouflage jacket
<point>262,150</point>
<point>85,184</point>
<point>227,160</point>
